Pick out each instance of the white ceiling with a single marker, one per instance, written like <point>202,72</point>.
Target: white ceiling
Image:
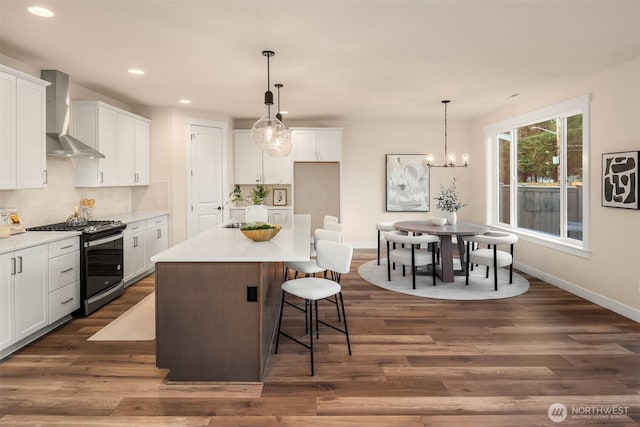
<point>336,59</point>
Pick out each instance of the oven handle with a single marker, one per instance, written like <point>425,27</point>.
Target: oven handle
<point>103,241</point>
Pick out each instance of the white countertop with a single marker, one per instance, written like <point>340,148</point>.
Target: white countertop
<point>19,241</point>
<point>220,244</point>
<point>130,217</point>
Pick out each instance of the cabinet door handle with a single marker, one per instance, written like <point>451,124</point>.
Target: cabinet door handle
<point>13,266</point>
<point>67,301</point>
<point>159,231</point>
<point>66,247</point>
<point>67,270</point>
<point>19,264</point>
<point>45,176</point>
<point>101,177</point>
<point>135,241</point>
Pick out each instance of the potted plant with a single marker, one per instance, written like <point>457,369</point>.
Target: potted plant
<point>236,195</point>
<point>449,201</point>
<point>259,193</point>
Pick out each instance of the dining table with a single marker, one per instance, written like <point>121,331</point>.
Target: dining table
<point>446,232</point>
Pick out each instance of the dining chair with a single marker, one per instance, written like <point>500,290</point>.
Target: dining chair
<point>256,213</point>
<point>491,256</point>
<point>382,227</point>
<point>334,257</point>
<point>411,254</point>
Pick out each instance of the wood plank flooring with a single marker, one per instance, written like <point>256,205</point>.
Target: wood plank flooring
<point>415,362</point>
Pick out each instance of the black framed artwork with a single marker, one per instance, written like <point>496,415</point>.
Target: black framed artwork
<point>407,178</point>
<point>620,180</point>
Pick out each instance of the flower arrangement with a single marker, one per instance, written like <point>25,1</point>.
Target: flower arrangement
<point>447,198</point>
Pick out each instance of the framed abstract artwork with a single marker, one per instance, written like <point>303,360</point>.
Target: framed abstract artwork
<point>407,177</point>
<point>620,180</point>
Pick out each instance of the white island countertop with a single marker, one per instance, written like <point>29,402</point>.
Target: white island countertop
<point>221,244</point>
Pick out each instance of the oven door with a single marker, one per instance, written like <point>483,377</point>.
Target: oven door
<point>103,264</point>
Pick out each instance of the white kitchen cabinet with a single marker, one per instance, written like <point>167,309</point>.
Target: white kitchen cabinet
<point>116,134</point>
<point>317,144</point>
<point>135,243</point>
<point>278,215</point>
<point>157,237</point>
<point>31,293</point>
<point>22,130</point>
<point>64,278</point>
<point>252,165</point>
<point>142,170</point>
<point>7,316</point>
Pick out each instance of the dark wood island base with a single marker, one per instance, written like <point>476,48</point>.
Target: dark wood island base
<point>215,321</point>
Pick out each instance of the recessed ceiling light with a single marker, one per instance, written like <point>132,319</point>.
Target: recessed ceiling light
<point>185,101</point>
<point>136,71</point>
<point>41,11</point>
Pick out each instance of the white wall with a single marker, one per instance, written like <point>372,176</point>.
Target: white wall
<point>611,274</point>
<point>169,160</point>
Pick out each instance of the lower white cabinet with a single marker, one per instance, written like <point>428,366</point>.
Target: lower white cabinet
<point>157,239</point>
<point>135,242</point>
<point>280,216</point>
<point>142,240</point>
<point>28,274</point>
<point>64,278</point>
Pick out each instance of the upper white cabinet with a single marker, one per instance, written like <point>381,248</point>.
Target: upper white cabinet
<point>317,144</point>
<point>22,130</point>
<point>252,165</point>
<point>121,136</point>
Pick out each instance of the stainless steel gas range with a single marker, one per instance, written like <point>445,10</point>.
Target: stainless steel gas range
<point>101,261</point>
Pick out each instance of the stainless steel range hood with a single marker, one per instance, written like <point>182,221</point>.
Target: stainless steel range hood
<point>59,142</point>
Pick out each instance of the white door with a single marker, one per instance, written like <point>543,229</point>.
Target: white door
<point>206,187</point>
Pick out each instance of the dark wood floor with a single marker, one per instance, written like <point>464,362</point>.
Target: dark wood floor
<point>415,362</point>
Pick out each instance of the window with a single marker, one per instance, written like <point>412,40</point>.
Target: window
<point>539,183</point>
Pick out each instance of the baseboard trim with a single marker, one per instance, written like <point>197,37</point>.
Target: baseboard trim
<point>594,297</point>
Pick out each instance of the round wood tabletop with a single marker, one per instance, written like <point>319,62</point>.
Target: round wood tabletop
<point>459,229</point>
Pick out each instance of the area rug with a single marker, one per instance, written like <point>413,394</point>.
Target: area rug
<point>479,287</point>
<point>136,324</point>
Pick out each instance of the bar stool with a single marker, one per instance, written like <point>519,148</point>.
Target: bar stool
<point>382,227</point>
<point>336,258</point>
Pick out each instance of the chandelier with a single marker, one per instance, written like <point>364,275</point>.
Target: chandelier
<point>449,157</point>
<point>269,133</point>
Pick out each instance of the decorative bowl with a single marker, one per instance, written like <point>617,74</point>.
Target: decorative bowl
<point>437,220</point>
<point>260,231</point>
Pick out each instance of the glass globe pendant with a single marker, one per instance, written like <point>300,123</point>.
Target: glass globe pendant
<point>269,133</point>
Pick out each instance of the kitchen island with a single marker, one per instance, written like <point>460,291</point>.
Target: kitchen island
<point>217,300</point>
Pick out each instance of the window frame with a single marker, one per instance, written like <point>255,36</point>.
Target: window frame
<point>564,109</point>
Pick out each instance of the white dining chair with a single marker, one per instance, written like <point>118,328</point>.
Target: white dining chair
<point>382,227</point>
<point>491,256</point>
<point>336,258</point>
<point>256,213</point>
<point>411,254</point>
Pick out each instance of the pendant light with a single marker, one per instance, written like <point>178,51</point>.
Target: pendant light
<point>269,133</point>
<point>282,144</point>
<point>449,157</point>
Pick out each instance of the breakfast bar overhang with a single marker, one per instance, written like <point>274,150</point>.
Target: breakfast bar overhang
<point>217,299</point>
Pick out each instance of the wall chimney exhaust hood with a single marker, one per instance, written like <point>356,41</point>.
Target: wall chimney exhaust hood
<point>59,142</point>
